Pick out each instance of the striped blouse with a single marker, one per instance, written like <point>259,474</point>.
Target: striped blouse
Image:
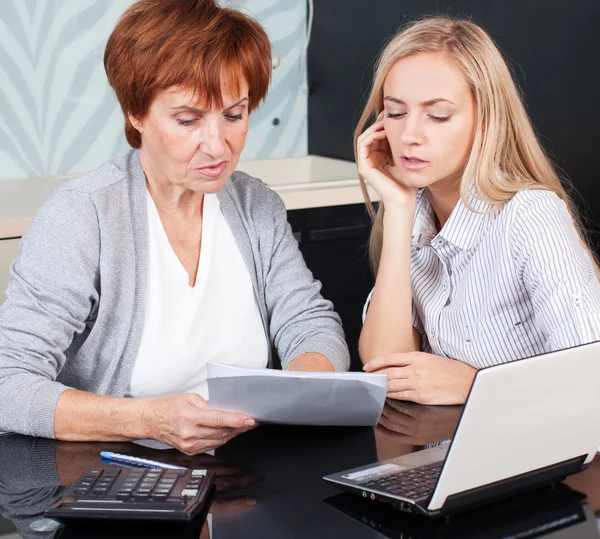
<point>494,287</point>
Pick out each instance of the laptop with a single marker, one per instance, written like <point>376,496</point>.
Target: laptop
<point>526,424</point>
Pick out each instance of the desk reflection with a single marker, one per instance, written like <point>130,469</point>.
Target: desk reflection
<point>269,483</point>
<point>35,472</point>
<point>557,512</point>
<point>405,427</point>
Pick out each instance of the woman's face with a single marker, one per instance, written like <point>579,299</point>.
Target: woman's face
<point>429,119</point>
<point>189,145</point>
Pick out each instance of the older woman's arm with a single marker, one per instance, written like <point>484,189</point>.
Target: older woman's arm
<point>53,290</point>
<point>310,362</point>
<point>184,421</point>
<point>306,331</point>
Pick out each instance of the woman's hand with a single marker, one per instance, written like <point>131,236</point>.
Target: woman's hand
<point>187,423</point>
<point>424,378</point>
<point>375,164</point>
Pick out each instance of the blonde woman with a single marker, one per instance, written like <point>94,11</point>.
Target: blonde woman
<point>478,255</point>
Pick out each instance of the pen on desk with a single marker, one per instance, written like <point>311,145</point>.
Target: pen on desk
<point>138,461</point>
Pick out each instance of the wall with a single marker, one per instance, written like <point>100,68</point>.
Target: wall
<point>552,46</point>
<point>58,116</point>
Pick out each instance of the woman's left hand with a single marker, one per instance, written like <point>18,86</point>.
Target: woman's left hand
<point>424,378</point>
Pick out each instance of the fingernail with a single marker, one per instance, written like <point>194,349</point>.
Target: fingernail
<point>249,422</point>
<point>367,367</point>
<point>250,502</point>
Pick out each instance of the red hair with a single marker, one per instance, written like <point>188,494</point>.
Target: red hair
<point>192,44</point>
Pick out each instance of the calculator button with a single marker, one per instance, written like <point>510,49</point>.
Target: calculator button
<point>189,492</point>
<point>196,473</point>
<point>164,481</point>
<point>196,482</point>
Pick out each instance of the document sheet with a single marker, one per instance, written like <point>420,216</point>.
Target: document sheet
<point>298,398</point>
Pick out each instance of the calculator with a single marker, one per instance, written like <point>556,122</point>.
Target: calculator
<point>136,493</point>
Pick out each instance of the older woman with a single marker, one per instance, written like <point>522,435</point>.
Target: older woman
<point>134,276</point>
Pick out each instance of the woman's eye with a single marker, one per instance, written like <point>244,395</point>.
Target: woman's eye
<point>233,117</point>
<point>440,119</point>
<point>185,122</point>
<point>396,115</point>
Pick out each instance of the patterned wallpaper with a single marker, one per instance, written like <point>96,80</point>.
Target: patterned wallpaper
<point>58,116</point>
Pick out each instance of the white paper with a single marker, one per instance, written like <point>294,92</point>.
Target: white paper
<point>152,444</point>
<point>298,398</point>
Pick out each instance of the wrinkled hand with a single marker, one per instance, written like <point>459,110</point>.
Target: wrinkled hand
<point>409,423</point>
<point>186,422</point>
<point>424,378</point>
<point>375,165</point>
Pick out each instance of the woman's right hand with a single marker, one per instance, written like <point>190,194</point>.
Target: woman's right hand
<point>186,422</point>
<point>375,164</point>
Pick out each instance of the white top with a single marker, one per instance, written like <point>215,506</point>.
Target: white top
<point>492,288</point>
<point>185,327</point>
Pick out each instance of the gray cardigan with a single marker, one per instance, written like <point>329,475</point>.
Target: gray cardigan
<point>76,299</point>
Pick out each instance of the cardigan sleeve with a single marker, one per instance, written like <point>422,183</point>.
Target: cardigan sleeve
<point>52,291</point>
<point>301,320</point>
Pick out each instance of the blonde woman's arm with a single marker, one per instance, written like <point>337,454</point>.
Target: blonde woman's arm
<point>388,323</point>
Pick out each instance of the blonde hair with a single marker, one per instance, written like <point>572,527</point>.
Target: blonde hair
<point>506,156</point>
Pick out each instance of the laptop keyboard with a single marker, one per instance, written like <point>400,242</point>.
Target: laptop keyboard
<point>413,484</point>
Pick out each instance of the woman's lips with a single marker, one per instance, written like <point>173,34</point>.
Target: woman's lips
<point>412,163</point>
<point>214,171</point>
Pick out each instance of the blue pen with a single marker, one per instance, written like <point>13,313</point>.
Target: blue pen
<point>138,461</point>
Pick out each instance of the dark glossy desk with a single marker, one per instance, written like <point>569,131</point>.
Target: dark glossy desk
<point>269,485</point>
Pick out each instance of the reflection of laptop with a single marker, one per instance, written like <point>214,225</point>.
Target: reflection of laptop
<point>526,424</point>
<point>560,513</point>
